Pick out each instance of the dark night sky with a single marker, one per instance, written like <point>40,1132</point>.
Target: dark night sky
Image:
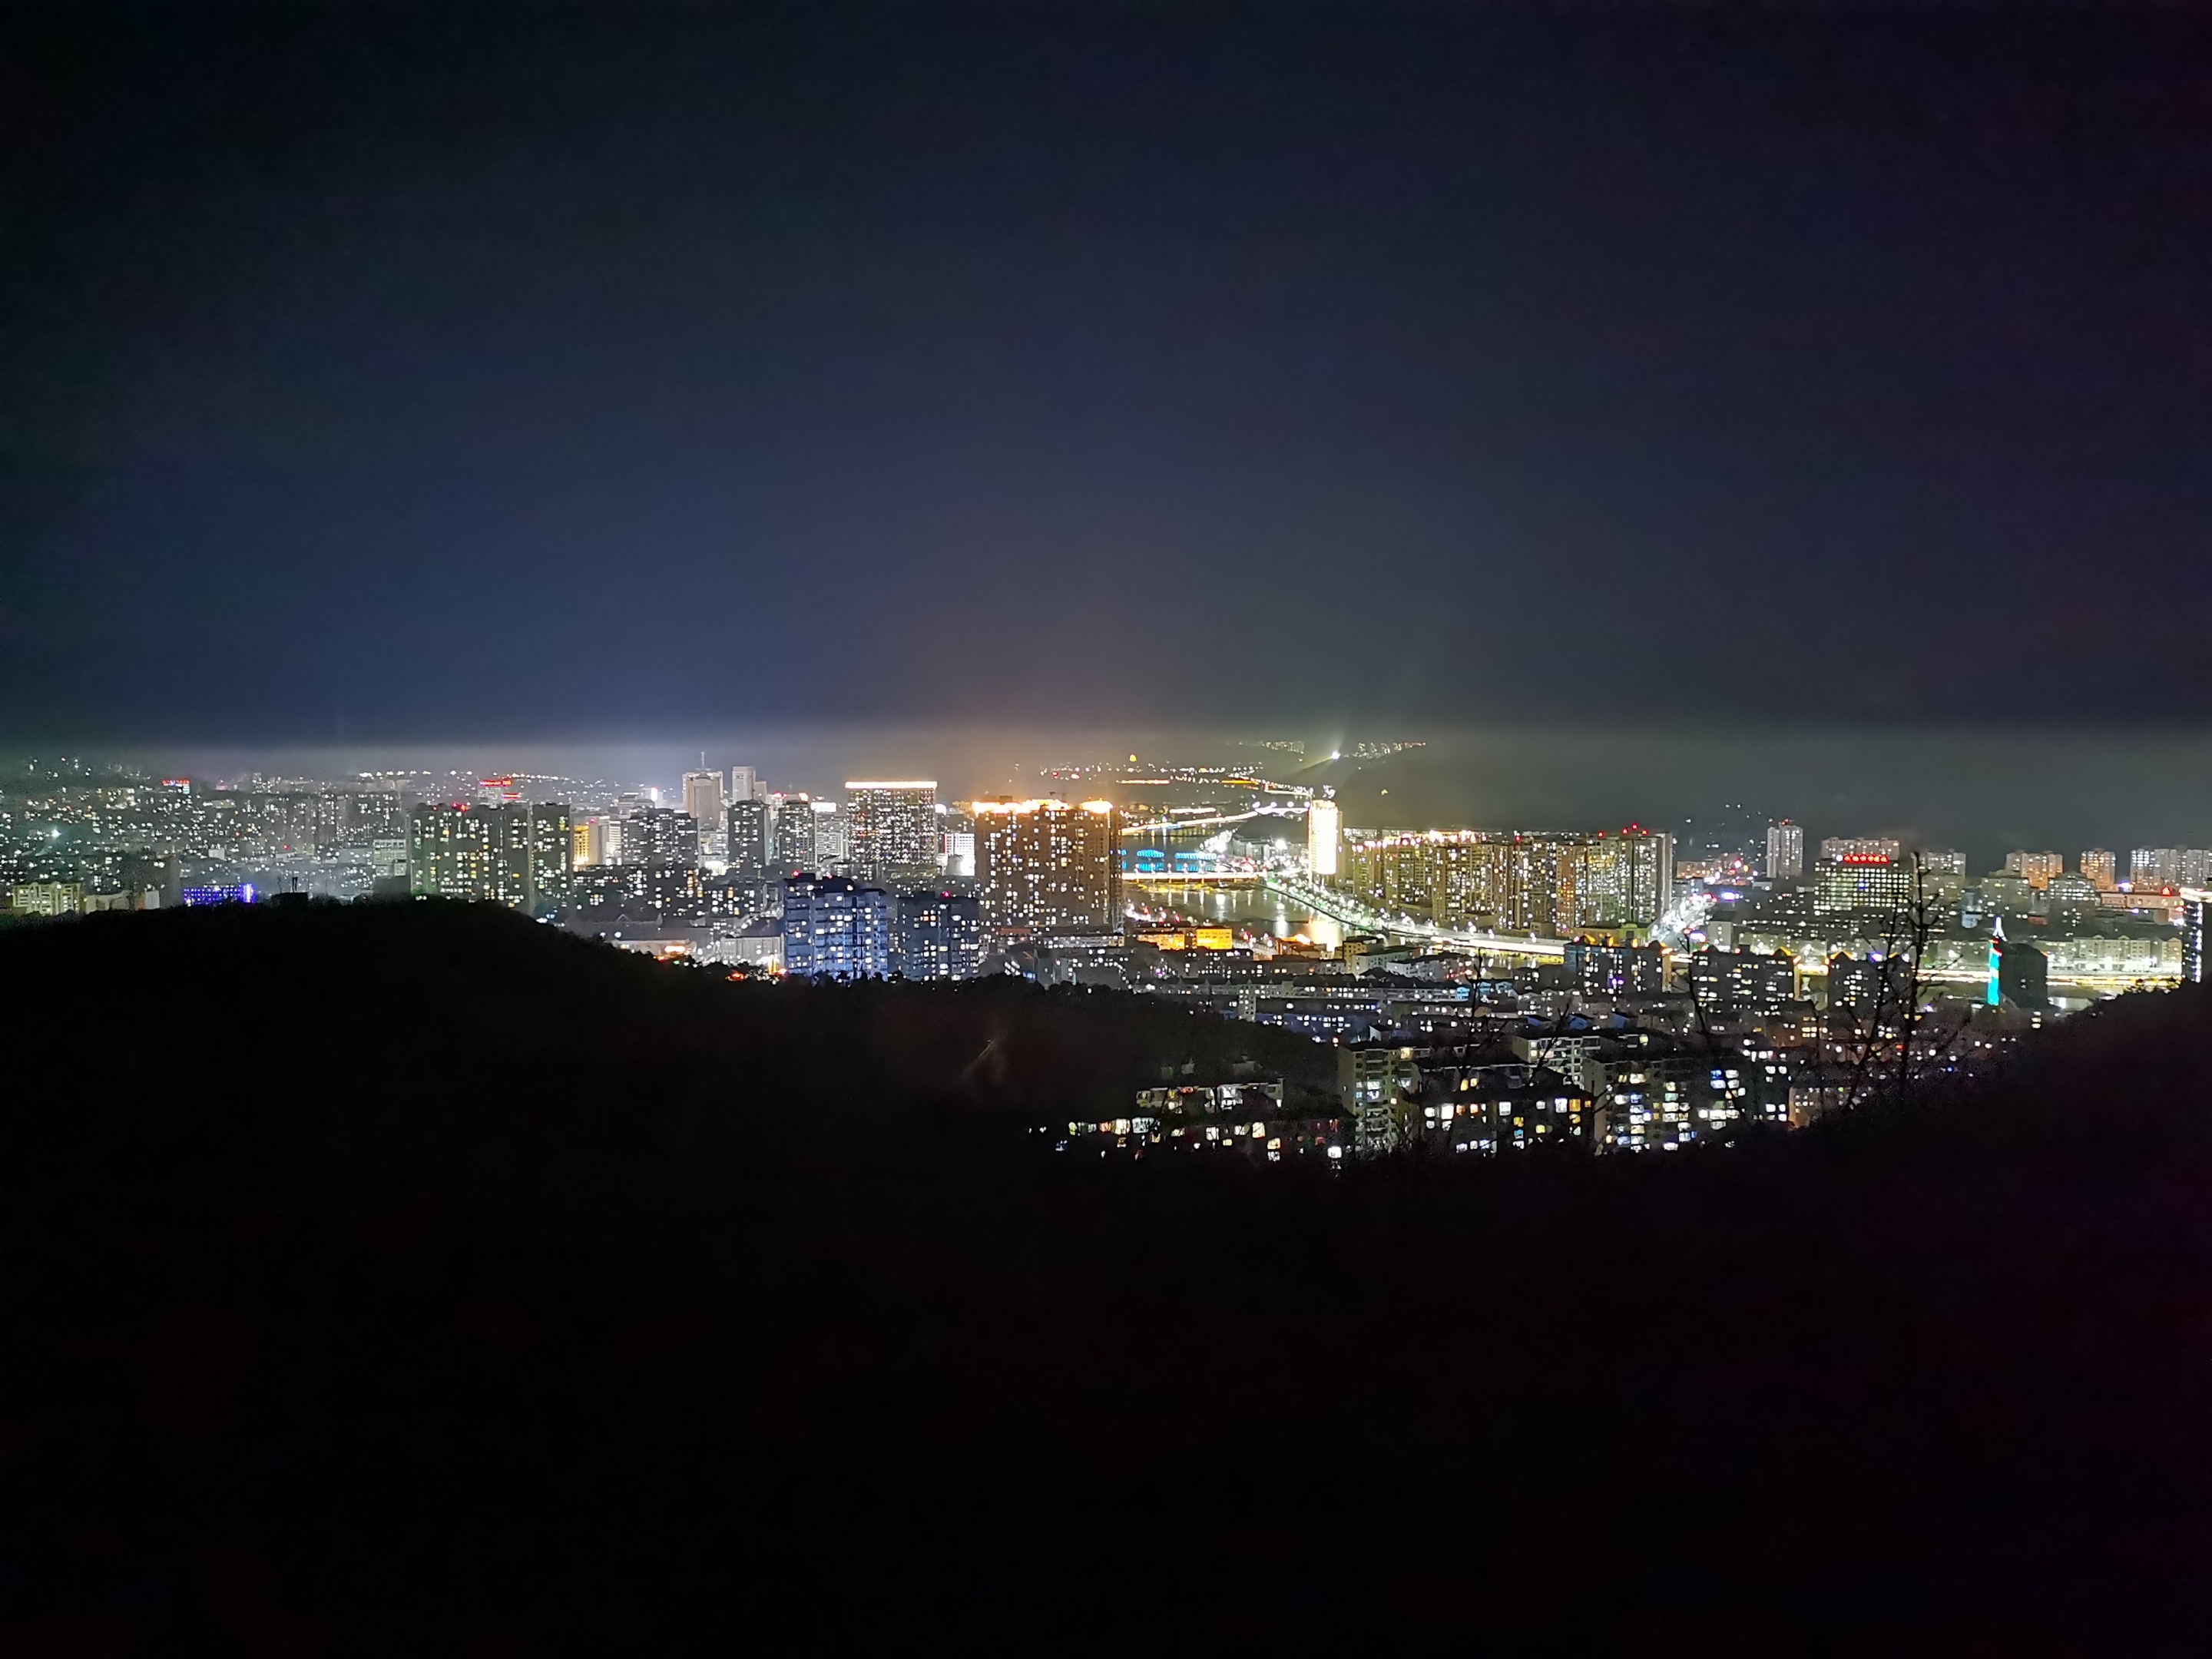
<point>394,374</point>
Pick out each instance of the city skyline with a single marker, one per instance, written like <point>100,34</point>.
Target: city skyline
<point>1984,790</point>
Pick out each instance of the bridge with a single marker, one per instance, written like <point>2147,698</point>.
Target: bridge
<point>1350,913</point>
<point>1193,878</point>
<point>1164,826</point>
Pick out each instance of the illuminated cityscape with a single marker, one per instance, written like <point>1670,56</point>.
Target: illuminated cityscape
<point>1091,829</point>
<point>1665,998</point>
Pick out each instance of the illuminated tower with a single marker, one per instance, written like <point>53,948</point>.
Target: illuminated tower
<point>1324,831</point>
<point>703,799</point>
<point>891,831</point>
<point>1785,851</point>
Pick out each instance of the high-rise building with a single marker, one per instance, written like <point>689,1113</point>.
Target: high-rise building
<point>1324,836</point>
<point>2070,898</point>
<point>937,935</point>
<point>1615,881</point>
<point>518,855</point>
<point>2194,904</point>
<point>1943,861</point>
<point>536,863</point>
<point>1785,851</point>
<point>588,843</point>
<point>745,784</point>
<point>2102,867</point>
<point>1860,879</point>
<point>835,928</point>
<point>891,831</point>
<point>449,852</point>
<point>832,846</point>
<point>2001,893</point>
<point>958,842</point>
<point>795,832</point>
<point>702,800</point>
<point>1050,868</point>
<point>748,830</point>
<point>2154,867</point>
<point>660,838</point>
<point>2035,869</point>
<point>1836,848</point>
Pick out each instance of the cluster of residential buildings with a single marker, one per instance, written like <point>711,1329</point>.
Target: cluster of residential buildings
<point>1548,884</point>
<point>887,880</point>
<point>2096,927</point>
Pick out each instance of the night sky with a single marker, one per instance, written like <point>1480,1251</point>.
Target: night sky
<point>434,375</point>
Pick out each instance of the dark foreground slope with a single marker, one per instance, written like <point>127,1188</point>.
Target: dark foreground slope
<point>401,1279</point>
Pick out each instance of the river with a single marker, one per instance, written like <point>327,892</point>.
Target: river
<point>1252,908</point>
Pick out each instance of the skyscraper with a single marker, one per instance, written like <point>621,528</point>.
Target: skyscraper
<point>833,928</point>
<point>702,800</point>
<point>795,832</point>
<point>2102,867</point>
<point>745,784</point>
<point>748,830</point>
<point>1785,851</point>
<point>1324,836</point>
<point>891,831</point>
<point>831,847</point>
<point>660,838</point>
<point>1050,868</point>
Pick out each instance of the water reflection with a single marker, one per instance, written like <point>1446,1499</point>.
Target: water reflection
<point>1248,908</point>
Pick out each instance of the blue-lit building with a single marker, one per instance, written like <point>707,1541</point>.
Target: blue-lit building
<point>938,936</point>
<point>833,928</point>
<point>242,894</point>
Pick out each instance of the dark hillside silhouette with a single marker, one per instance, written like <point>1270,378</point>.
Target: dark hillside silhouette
<point>413,1279</point>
